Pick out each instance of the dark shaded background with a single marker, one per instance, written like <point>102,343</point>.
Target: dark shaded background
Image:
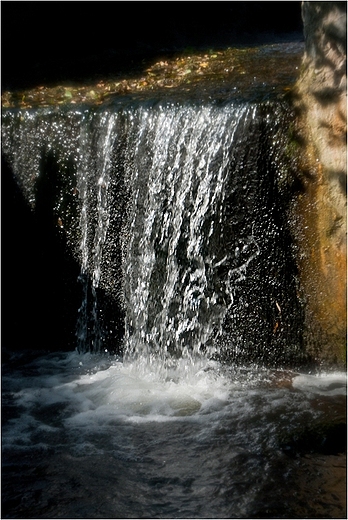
<point>50,42</point>
<point>47,42</point>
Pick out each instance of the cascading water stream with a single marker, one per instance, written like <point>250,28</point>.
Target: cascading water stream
<point>177,223</point>
<point>103,168</point>
<point>172,304</point>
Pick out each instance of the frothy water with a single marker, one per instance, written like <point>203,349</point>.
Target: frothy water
<point>327,384</point>
<point>135,393</point>
<point>128,440</point>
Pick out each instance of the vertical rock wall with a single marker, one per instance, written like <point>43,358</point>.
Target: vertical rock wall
<point>320,208</point>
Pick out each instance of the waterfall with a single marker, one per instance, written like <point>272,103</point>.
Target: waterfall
<point>183,392</point>
<point>176,216</point>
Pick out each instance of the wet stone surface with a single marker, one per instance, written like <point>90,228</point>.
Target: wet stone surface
<point>232,73</point>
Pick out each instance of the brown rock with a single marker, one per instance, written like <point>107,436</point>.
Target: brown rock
<point>320,208</point>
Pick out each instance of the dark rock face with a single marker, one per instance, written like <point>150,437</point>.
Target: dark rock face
<point>321,207</point>
<point>40,284</point>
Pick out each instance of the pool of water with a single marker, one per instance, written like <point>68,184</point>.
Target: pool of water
<point>87,436</point>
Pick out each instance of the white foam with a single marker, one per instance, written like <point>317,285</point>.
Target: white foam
<point>334,383</point>
<point>124,392</point>
<point>97,402</point>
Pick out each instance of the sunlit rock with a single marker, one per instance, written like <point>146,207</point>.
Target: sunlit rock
<point>321,205</point>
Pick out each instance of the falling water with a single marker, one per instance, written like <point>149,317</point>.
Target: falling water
<point>93,256</point>
<point>178,224</point>
<point>176,216</point>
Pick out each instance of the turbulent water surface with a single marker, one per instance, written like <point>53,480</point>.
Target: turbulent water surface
<point>86,436</point>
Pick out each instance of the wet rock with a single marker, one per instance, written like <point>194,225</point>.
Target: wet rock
<point>321,204</point>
